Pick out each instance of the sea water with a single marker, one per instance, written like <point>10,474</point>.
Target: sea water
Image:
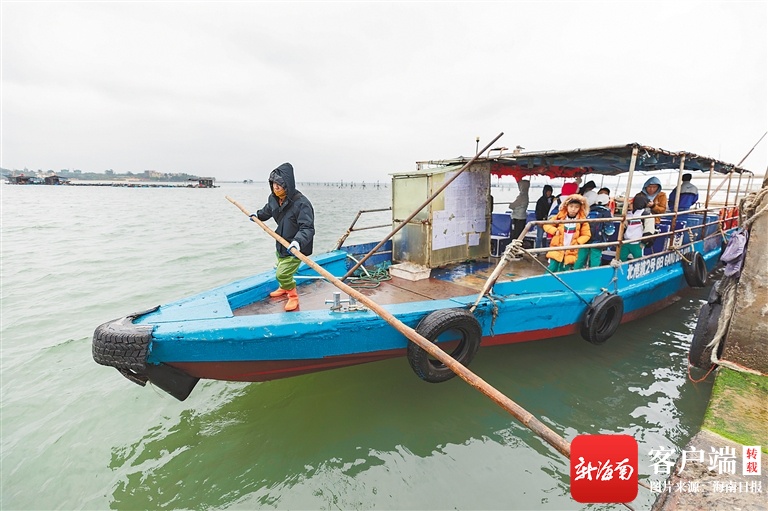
<point>77,435</point>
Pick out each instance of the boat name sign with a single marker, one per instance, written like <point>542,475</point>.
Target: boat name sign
<point>652,264</point>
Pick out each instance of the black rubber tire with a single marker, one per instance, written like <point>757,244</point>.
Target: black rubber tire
<point>602,318</point>
<point>714,293</point>
<point>123,345</point>
<point>706,326</point>
<point>695,272</point>
<point>431,327</point>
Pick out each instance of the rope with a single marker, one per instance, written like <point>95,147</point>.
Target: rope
<point>749,207</point>
<point>682,256</point>
<point>494,312</point>
<point>358,262</point>
<point>518,251</point>
<point>711,368</point>
<point>370,280</point>
<point>728,297</point>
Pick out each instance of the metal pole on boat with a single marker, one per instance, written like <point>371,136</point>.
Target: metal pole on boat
<point>630,175</point>
<point>709,184</point>
<point>728,190</point>
<point>418,209</point>
<point>677,193</point>
<point>517,411</point>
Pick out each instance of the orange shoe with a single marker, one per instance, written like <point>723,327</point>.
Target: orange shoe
<point>293,300</point>
<point>278,292</point>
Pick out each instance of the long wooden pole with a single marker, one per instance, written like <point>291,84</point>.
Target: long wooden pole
<point>517,411</point>
<point>727,177</point>
<point>419,208</point>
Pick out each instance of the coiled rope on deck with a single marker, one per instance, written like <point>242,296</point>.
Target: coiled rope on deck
<point>370,279</point>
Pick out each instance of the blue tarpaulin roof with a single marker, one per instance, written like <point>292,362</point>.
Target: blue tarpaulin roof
<point>611,160</point>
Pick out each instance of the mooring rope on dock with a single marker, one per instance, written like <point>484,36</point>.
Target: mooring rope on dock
<point>751,208</point>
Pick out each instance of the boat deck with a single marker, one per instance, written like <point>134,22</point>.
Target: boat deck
<point>460,279</point>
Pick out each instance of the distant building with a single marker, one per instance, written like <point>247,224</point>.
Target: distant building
<point>204,182</point>
<point>24,180</point>
<point>56,180</point>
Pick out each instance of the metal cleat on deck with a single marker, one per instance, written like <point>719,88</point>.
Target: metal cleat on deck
<point>338,304</point>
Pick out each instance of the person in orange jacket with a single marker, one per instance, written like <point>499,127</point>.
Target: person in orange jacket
<point>569,234</point>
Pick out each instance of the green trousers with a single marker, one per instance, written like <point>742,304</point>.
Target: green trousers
<point>555,266</point>
<point>636,249</point>
<point>591,255</point>
<point>286,269</point>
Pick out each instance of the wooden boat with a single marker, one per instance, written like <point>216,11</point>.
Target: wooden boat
<point>442,280</point>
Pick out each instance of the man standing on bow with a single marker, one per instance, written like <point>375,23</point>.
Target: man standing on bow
<point>295,219</point>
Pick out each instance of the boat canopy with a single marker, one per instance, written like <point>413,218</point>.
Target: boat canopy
<point>611,160</point>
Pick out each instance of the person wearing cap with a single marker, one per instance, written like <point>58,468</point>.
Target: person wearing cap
<point>588,191</point>
<point>295,219</point>
<point>572,233</point>
<point>600,232</point>
<point>566,191</point>
<point>611,202</point>
<point>689,195</point>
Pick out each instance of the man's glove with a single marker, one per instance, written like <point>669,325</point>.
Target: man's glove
<point>253,217</point>
<point>294,244</point>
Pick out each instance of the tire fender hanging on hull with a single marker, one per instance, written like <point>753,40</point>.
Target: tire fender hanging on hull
<point>602,318</point>
<point>464,335</point>
<point>707,323</point>
<point>124,345</point>
<point>695,271</point>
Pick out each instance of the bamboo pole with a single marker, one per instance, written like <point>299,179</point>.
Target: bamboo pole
<point>517,411</point>
<point>416,211</point>
<point>737,165</point>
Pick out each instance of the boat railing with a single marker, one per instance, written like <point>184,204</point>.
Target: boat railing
<point>715,220</point>
<point>352,227</point>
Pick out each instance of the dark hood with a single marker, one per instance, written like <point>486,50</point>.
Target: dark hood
<point>283,175</point>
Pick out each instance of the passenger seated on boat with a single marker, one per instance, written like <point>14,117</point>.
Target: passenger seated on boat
<point>689,195</point>
<point>600,231</point>
<point>569,234</point>
<point>634,227</point>
<point>657,200</point>
<point>611,202</point>
<point>588,191</point>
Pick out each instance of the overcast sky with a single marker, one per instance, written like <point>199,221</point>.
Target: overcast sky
<point>359,90</point>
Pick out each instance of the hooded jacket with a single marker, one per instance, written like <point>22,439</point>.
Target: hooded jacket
<point>659,198</point>
<point>519,206</point>
<point>544,204</point>
<point>689,195</point>
<point>295,217</point>
<point>580,237</point>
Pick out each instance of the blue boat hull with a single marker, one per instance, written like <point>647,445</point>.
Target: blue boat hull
<point>202,337</point>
